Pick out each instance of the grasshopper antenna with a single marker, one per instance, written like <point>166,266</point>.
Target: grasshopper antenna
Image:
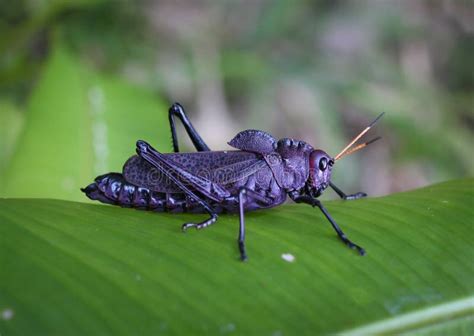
<point>346,150</point>
<point>359,147</point>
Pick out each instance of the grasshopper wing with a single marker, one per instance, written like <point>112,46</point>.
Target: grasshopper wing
<point>218,167</point>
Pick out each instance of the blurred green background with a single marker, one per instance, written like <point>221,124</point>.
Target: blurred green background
<point>82,80</point>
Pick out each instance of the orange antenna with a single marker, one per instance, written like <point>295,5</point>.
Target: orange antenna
<point>361,134</point>
<point>359,147</point>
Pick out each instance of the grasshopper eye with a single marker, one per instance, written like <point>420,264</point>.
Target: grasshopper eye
<point>323,164</point>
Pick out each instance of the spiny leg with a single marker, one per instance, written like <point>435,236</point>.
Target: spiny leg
<point>314,202</point>
<point>177,110</point>
<point>201,225</point>
<point>181,177</point>
<point>344,196</point>
<point>187,182</point>
<point>244,193</point>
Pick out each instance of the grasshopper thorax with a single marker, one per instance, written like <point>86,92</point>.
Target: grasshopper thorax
<point>320,168</point>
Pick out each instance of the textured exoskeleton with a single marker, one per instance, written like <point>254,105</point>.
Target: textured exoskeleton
<point>259,174</point>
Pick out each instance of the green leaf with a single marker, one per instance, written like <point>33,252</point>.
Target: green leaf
<point>73,268</point>
<point>80,124</point>
<point>11,121</point>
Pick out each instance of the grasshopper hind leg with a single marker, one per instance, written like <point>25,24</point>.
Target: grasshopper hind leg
<point>189,184</point>
<point>176,110</point>
<point>200,225</point>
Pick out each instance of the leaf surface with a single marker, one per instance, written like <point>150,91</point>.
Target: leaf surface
<point>80,124</point>
<point>74,268</point>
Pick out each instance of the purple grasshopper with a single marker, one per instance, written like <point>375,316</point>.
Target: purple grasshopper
<point>260,174</point>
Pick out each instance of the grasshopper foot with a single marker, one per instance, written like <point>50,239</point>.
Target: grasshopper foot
<point>201,225</point>
<point>355,196</point>
<point>186,226</point>
<point>353,246</point>
<point>243,253</point>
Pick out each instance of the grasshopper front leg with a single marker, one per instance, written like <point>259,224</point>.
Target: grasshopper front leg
<point>344,196</point>
<point>315,202</point>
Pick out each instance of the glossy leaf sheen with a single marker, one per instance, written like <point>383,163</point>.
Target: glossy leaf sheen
<point>80,124</point>
<point>72,268</point>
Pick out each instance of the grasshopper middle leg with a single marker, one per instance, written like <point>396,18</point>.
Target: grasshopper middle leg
<point>244,194</point>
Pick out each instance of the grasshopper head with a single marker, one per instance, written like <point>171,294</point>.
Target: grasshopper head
<point>320,163</point>
<point>320,167</point>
